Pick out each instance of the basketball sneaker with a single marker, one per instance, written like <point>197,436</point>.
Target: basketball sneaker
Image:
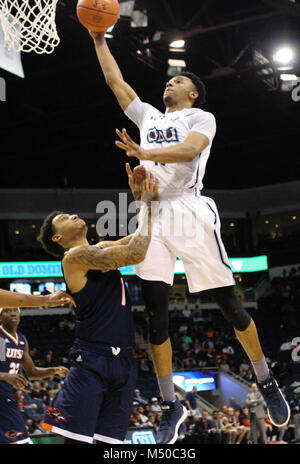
<point>277,408</point>
<point>173,414</point>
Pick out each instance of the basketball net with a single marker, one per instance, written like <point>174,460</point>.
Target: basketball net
<point>29,25</point>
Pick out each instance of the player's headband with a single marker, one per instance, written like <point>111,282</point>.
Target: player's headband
<point>1,309</point>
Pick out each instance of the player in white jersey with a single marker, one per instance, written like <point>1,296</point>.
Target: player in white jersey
<point>175,147</point>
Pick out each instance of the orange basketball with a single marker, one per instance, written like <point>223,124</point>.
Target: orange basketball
<point>98,15</point>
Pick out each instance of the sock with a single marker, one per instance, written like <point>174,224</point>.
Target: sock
<point>166,387</point>
<point>261,369</point>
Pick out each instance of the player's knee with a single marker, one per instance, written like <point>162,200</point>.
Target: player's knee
<point>232,308</point>
<point>158,336</point>
<point>158,327</point>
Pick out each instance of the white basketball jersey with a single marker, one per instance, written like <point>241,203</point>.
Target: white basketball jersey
<point>159,130</point>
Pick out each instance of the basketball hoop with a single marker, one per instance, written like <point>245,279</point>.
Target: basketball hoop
<point>29,25</point>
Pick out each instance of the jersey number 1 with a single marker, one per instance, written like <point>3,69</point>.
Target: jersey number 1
<point>123,293</point>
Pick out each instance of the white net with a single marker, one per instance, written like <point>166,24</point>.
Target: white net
<point>29,25</point>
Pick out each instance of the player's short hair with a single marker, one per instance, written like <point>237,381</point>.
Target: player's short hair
<point>46,234</point>
<point>200,86</point>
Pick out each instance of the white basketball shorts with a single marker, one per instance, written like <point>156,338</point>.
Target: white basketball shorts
<point>187,227</point>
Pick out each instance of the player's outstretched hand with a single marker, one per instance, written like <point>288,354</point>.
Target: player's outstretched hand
<point>135,179</point>
<point>150,190</point>
<point>17,381</point>
<point>58,299</point>
<point>61,370</point>
<point>97,35</point>
<point>132,149</point>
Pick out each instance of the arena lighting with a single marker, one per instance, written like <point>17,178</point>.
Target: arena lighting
<point>177,63</point>
<point>289,77</point>
<point>177,46</point>
<point>284,55</point>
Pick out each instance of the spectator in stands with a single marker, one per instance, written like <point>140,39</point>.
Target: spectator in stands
<point>186,341</point>
<point>243,432</point>
<point>189,361</point>
<point>216,423</point>
<point>51,395</point>
<point>147,409</point>
<point>135,416</point>
<point>152,422</point>
<point>244,417</point>
<point>249,376</point>
<point>44,390</point>
<point>228,350</point>
<point>36,392</point>
<point>143,417</point>
<point>204,429</point>
<point>51,382</point>
<point>225,435</point>
<point>144,366</point>
<point>191,402</point>
<point>140,353</point>
<point>224,366</point>
<point>33,353</point>
<point>49,359</point>
<point>228,424</point>
<point>295,412</point>
<point>187,312</point>
<point>255,403</point>
<point>138,398</point>
<point>245,365</point>
<point>155,407</point>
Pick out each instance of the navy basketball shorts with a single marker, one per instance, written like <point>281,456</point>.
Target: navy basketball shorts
<point>95,400</point>
<point>12,424</point>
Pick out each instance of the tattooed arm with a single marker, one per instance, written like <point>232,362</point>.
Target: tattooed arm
<point>86,258</point>
<point>108,244</point>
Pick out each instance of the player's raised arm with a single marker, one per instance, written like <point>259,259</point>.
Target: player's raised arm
<point>86,258</point>
<point>113,76</point>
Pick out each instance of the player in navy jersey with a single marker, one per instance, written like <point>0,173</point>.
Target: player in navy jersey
<point>175,147</point>
<point>14,353</point>
<point>95,401</point>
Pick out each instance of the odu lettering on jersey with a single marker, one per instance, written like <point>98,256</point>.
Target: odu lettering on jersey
<point>159,136</point>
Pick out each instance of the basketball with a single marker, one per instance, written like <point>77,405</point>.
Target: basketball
<point>98,15</point>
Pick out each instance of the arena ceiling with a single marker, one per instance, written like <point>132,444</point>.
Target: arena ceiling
<point>57,125</point>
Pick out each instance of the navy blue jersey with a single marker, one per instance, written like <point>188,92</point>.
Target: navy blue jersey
<point>11,354</point>
<point>103,311</point>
